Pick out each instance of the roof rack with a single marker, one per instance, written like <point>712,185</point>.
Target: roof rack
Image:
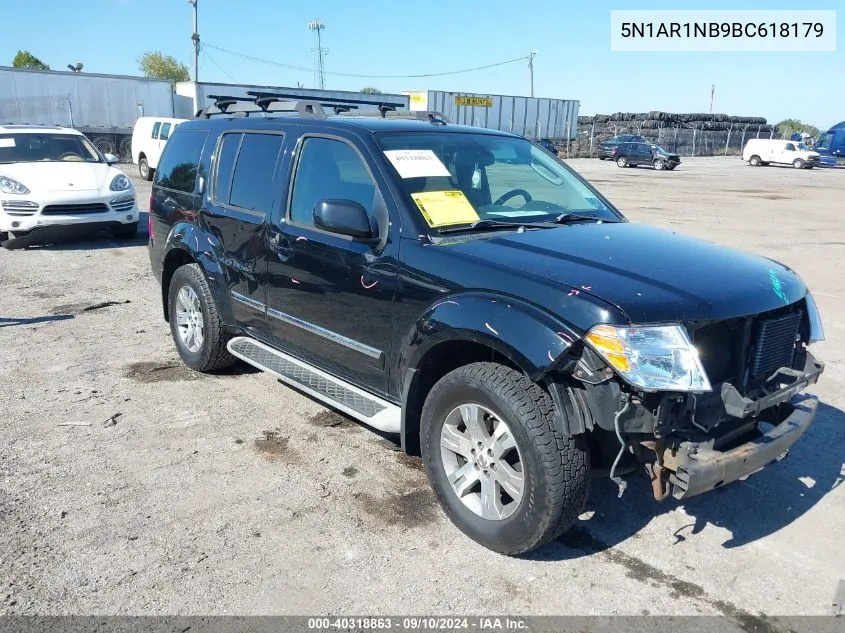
<point>436,118</point>
<point>229,105</point>
<point>261,103</point>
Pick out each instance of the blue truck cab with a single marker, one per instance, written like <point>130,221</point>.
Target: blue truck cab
<point>831,146</point>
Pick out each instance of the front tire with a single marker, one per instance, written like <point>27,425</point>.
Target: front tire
<point>621,162</point>
<point>754,161</point>
<point>194,323</point>
<point>798,163</point>
<point>499,469</point>
<point>144,169</point>
<point>659,164</point>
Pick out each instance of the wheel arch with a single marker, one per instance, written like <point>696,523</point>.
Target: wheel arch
<point>474,327</point>
<point>180,251</point>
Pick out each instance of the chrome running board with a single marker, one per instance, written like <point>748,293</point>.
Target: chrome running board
<point>359,404</point>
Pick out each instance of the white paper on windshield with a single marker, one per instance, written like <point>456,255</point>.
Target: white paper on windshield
<point>7,142</point>
<point>416,163</point>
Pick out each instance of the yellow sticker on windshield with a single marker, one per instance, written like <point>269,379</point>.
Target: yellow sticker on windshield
<point>443,208</point>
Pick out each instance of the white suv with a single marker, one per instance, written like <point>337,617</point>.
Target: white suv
<point>53,178</point>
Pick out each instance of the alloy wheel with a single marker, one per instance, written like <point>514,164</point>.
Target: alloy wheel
<point>189,319</point>
<point>482,462</point>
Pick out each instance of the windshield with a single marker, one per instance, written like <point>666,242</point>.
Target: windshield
<point>36,148</point>
<point>802,146</point>
<point>459,178</point>
<point>825,140</point>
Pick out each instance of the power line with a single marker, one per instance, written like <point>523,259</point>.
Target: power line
<point>219,67</point>
<point>363,76</point>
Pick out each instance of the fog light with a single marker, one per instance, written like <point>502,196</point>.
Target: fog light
<point>129,217</point>
<point>15,224</point>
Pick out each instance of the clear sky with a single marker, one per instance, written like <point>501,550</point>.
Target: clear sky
<point>574,59</point>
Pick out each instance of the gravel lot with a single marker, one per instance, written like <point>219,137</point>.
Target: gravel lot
<point>232,494</point>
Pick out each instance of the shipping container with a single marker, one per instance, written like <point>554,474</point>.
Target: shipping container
<point>192,97</point>
<point>86,101</point>
<point>532,117</point>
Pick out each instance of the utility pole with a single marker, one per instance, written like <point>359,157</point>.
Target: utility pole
<point>196,40</point>
<point>531,56</point>
<point>319,71</point>
<point>712,92</point>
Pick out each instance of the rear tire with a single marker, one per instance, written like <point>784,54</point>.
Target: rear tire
<point>522,483</point>
<point>754,161</point>
<point>622,162</point>
<point>194,323</point>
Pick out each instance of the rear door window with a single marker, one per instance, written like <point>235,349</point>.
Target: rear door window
<point>179,163</point>
<point>252,179</point>
<point>227,153</point>
<point>156,128</point>
<point>165,132</point>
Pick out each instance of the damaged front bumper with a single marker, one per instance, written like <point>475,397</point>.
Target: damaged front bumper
<point>695,467</point>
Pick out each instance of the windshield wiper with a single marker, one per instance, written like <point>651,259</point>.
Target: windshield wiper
<point>563,218</point>
<point>569,218</point>
<point>498,224</point>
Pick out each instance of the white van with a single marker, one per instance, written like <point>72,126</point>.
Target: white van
<point>760,151</point>
<point>148,139</point>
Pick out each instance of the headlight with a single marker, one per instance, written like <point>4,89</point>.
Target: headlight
<point>653,358</point>
<point>120,183</point>
<point>7,185</point>
<point>816,329</point>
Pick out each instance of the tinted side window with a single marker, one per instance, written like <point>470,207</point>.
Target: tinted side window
<point>165,132</point>
<point>252,181</point>
<point>156,128</point>
<point>226,155</point>
<point>329,169</point>
<point>179,162</point>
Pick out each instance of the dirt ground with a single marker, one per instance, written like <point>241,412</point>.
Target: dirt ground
<point>130,485</point>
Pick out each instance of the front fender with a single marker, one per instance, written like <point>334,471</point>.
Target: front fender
<point>531,338</point>
<point>188,239</point>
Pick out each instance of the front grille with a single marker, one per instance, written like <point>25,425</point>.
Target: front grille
<point>74,209</point>
<point>773,344</point>
<point>717,351</point>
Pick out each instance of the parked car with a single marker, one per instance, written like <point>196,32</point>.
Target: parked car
<point>53,179</point>
<point>606,148</point>
<point>461,289</point>
<point>635,154</point>
<point>760,151</point>
<point>148,139</point>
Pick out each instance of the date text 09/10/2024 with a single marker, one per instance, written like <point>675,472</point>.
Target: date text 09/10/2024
<point>408,623</point>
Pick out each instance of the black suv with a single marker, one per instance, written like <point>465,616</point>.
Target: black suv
<point>606,148</point>
<point>634,154</point>
<point>461,288</point>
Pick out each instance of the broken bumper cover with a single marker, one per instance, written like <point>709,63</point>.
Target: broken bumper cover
<point>698,468</point>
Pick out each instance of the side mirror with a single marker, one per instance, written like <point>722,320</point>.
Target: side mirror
<point>111,159</point>
<point>345,217</point>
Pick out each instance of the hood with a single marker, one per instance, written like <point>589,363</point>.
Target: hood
<point>653,275</point>
<point>61,176</point>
